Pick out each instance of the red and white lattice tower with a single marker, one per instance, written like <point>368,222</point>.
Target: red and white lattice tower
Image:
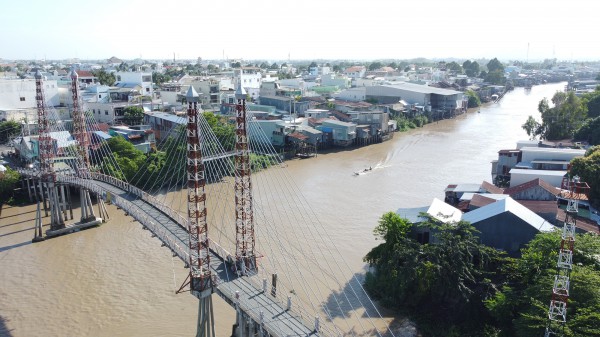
<point>200,275</point>
<point>244,216</point>
<point>574,190</point>
<point>83,143</point>
<point>46,155</point>
<point>200,279</point>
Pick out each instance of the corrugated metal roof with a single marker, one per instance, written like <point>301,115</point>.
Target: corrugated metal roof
<point>508,205</point>
<point>421,89</point>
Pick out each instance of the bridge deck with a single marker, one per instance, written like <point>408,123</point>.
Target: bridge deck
<point>277,320</point>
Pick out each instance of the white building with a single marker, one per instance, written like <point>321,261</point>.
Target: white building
<point>355,72</point>
<point>249,77</point>
<point>18,98</point>
<point>352,95</point>
<point>521,176</point>
<point>133,79</point>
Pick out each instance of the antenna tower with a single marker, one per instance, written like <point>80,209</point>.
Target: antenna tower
<point>575,190</point>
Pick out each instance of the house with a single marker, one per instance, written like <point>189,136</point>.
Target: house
<point>355,72</point>
<point>506,225</point>
<point>283,103</point>
<point>333,80</point>
<point>27,148</point>
<point>248,77</point>
<point>164,124</point>
<point>134,79</point>
<point>141,136</point>
<point>275,130</point>
<point>86,78</point>
<point>536,189</point>
<point>341,133</point>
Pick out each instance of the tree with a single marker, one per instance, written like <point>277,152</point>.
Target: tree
<point>562,120</point>
<point>495,65</point>
<point>588,168</point>
<point>133,115</point>
<point>274,66</point>
<point>159,78</point>
<point>474,100</point>
<point>429,279</point>
<point>375,66</point>
<point>104,77</point>
<point>454,67</point>
<point>471,68</point>
<point>313,64</point>
<point>532,127</point>
<point>589,131</point>
<point>495,77</point>
<point>8,130</point>
<point>520,306</point>
<point>236,65</point>
<point>393,65</point>
<point>8,182</point>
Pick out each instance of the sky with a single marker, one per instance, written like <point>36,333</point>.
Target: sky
<point>302,29</point>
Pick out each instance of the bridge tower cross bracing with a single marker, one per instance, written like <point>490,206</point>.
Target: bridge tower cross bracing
<point>200,278</point>
<point>244,217</point>
<point>46,156</point>
<point>557,312</point>
<point>83,141</point>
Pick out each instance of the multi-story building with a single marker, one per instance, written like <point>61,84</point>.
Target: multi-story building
<point>134,79</point>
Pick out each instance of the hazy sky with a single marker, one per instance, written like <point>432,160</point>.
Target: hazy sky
<point>304,29</point>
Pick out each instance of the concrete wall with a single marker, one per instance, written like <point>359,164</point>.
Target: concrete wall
<point>520,176</point>
<point>20,94</point>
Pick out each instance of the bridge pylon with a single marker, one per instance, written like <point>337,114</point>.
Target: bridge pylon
<point>46,156</point>
<point>245,254</point>
<point>83,142</point>
<point>200,277</point>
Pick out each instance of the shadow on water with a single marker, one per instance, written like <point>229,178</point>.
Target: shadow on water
<point>352,298</point>
<point>16,245</point>
<point>4,331</point>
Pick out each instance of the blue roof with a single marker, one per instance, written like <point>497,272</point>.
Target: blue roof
<point>102,135</point>
<point>169,117</point>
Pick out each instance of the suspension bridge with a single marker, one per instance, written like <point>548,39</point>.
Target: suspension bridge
<point>280,282</point>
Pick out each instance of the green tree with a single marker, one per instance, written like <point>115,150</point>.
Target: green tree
<point>588,168</point>
<point>495,65</point>
<point>562,120</point>
<point>274,66</point>
<point>442,285</point>
<point>104,77</point>
<point>495,77</point>
<point>471,68</point>
<point>375,66</point>
<point>532,127</point>
<point>160,78</point>
<point>236,65</point>
<point>8,183</point>
<point>454,67</point>
<point>520,307</point>
<point>589,131</point>
<point>474,100</point>
<point>9,129</point>
<point>133,115</point>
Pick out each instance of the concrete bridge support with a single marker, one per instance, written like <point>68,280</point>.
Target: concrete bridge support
<point>206,319</point>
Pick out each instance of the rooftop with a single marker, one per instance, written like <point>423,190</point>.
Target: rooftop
<point>509,205</point>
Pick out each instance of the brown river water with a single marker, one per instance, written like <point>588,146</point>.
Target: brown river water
<point>115,280</point>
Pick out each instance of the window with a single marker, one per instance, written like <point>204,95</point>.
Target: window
<point>147,89</point>
<point>93,111</point>
<point>106,112</point>
<point>99,96</point>
<point>22,99</point>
